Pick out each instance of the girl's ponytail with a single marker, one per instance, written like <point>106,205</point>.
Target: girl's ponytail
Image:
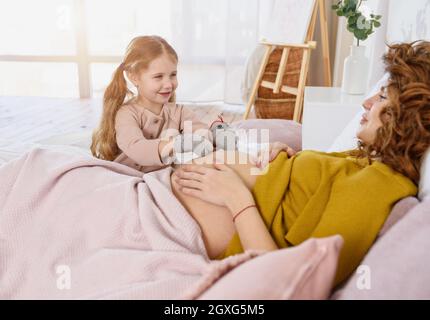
<point>103,144</point>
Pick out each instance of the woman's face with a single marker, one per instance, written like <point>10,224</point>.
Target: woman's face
<point>371,122</point>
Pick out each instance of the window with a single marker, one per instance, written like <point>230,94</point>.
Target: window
<point>70,48</point>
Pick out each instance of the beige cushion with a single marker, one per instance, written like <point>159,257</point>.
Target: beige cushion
<point>305,271</point>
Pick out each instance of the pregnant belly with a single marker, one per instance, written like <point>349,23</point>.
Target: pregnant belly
<point>215,222</point>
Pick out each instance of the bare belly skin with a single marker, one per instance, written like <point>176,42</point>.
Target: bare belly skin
<point>215,221</point>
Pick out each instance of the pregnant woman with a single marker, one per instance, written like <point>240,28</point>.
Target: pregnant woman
<point>316,194</point>
<point>73,226</point>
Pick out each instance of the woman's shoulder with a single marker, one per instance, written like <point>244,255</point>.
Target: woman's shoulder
<point>396,177</point>
<point>344,157</point>
<point>333,161</point>
<point>374,171</point>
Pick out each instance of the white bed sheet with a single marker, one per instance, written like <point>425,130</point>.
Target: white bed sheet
<point>76,143</point>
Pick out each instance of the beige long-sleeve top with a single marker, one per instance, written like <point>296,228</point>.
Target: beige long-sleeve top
<point>139,131</point>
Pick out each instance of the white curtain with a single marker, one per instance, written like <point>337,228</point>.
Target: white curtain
<point>84,40</point>
<point>213,39</point>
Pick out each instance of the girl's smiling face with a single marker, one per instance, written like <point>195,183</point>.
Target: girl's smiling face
<point>157,83</point>
<point>371,121</point>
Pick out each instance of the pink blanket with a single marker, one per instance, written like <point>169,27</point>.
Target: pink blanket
<point>78,227</point>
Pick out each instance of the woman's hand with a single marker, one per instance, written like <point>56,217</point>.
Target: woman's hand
<point>219,185</point>
<point>268,154</point>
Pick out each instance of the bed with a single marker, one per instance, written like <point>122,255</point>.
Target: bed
<point>312,264</point>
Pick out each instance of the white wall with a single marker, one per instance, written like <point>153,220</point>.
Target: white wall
<point>375,43</point>
<point>408,20</point>
<point>402,21</point>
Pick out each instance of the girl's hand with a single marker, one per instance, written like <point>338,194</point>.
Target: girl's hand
<point>219,185</point>
<point>165,150</point>
<point>268,154</point>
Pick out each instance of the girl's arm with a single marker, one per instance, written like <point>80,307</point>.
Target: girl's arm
<point>165,148</point>
<point>131,141</point>
<point>198,127</point>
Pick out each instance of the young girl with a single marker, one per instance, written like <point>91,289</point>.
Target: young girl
<point>141,132</point>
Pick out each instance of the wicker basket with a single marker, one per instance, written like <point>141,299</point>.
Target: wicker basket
<point>275,108</point>
<point>269,105</point>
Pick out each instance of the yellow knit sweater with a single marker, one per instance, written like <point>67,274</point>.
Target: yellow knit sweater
<point>317,194</point>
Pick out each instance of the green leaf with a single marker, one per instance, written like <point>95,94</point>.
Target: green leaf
<point>352,20</point>
<point>344,11</point>
<point>351,4</point>
<point>376,24</point>
<point>360,34</point>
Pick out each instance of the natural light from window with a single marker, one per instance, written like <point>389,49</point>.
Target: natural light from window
<point>70,48</point>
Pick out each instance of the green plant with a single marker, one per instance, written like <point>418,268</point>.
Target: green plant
<point>358,24</point>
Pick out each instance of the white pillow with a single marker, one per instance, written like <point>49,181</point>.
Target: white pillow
<point>347,140</point>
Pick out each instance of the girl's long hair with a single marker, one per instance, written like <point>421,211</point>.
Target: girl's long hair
<point>404,137</point>
<point>140,52</point>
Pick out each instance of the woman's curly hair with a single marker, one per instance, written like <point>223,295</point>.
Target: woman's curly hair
<point>404,137</point>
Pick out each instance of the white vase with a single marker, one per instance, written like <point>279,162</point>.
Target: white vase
<point>355,71</point>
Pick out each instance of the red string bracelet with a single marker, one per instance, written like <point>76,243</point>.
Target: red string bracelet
<point>220,119</point>
<point>237,214</point>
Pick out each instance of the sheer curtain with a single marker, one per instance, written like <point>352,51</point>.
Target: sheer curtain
<point>213,39</point>
<point>84,40</point>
